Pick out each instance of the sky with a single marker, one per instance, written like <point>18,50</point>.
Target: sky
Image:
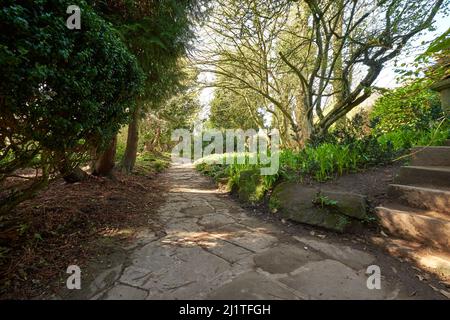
<point>387,77</point>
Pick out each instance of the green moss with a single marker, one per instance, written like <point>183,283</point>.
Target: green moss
<point>250,187</point>
<point>274,203</point>
<point>323,201</point>
<point>337,222</point>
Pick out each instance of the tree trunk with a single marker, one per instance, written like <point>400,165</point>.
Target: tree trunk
<point>304,124</point>
<point>129,158</point>
<point>155,144</point>
<point>338,82</point>
<point>106,161</point>
<point>69,173</point>
<point>74,175</point>
<point>17,195</point>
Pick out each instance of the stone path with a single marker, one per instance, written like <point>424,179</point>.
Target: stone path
<point>213,249</point>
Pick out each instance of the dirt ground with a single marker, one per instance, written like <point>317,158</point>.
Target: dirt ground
<point>69,224</point>
<point>372,183</point>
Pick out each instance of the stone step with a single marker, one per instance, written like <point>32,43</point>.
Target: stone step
<point>421,197</point>
<point>424,226</point>
<point>433,261</point>
<point>431,156</point>
<point>416,175</point>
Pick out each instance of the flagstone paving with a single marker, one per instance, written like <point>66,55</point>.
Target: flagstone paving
<point>211,248</point>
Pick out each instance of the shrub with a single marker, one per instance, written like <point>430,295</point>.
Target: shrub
<point>349,148</point>
<point>412,107</point>
<point>62,91</point>
<point>407,138</point>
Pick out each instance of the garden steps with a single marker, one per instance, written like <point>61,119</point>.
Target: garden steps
<point>431,156</point>
<point>418,216</point>
<point>419,196</point>
<point>438,176</point>
<point>424,226</point>
<point>434,261</point>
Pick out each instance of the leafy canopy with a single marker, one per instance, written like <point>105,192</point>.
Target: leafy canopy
<point>61,91</point>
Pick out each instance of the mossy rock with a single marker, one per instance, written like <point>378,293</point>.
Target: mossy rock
<point>296,202</point>
<point>348,203</point>
<point>250,187</point>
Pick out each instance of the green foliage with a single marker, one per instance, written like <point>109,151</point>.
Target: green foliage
<point>430,66</point>
<point>158,33</point>
<point>274,204</point>
<point>179,111</point>
<point>409,116</point>
<point>405,139</point>
<point>440,43</point>
<point>411,107</point>
<point>146,161</point>
<point>155,162</point>
<point>121,144</point>
<point>341,154</point>
<point>62,91</point>
<point>77,86</point>
<point>231,110</point>
<point>323,201</point>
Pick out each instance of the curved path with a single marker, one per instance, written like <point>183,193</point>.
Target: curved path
<point>214,249</point>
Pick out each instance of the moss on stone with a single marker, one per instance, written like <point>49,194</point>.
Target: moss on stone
<point>250,188</point>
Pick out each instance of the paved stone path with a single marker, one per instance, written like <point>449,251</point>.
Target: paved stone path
<point>213,249</point>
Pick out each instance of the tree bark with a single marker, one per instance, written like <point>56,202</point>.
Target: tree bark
<point>75,175</point>
<point>338,82</point>
<point>106,161</point>
<point>129,158</point>
<point>304,123</point>
<point>69,173</point>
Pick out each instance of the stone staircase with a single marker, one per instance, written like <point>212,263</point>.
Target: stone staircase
<point>418,214</point>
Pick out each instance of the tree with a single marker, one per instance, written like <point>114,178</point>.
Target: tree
<point>61,91</point>
<point>105,161</point>
<point>180,111</point>
<point>233,109</point>
<point>336,53</point>
<point>372,34</point>
<point>158,33</point>
<point>431,65</point>
<point>243,38</point>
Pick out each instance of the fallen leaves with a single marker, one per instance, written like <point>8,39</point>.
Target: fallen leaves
<point>62,225</point>
<point>441,291</point>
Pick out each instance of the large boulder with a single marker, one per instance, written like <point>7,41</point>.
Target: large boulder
<point>339,211</point>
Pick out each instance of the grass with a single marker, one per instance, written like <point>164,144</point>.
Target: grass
<point>152,162</point>
<point>326,160</point>
<point>146,162</point>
